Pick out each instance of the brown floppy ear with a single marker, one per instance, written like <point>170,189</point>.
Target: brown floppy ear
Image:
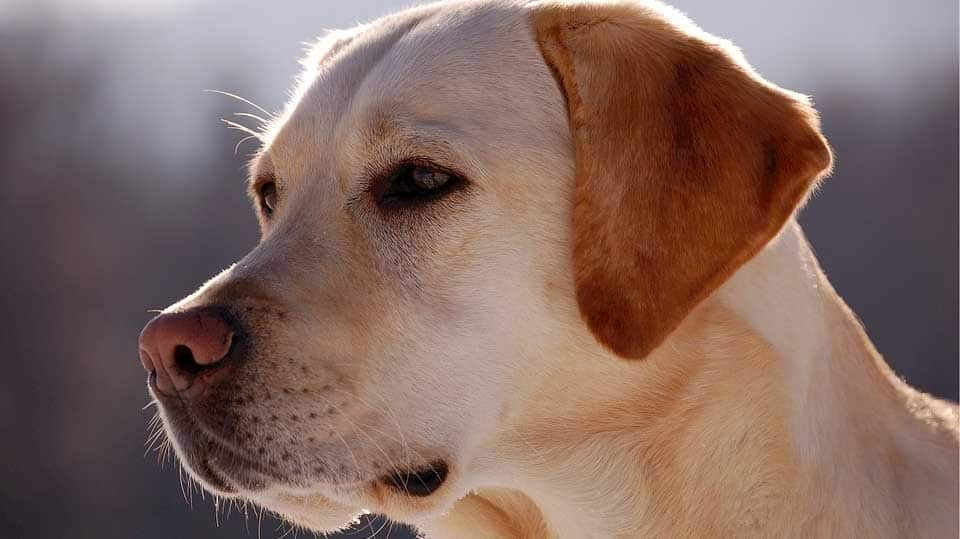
<point>687,163</point>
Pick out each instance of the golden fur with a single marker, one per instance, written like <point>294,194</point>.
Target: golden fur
<point>630,191</point>
<point>718,161</point>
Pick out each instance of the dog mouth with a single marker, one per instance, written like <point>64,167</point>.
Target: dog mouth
<point>419,483</point>
<point>222,468</point>
<point>202,469</point>
<point>229,470</point>
<point>218,464</point>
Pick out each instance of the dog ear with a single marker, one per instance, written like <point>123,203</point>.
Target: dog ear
<point>687,163</point>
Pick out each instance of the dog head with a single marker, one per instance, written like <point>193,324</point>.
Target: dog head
<point>459,199</point>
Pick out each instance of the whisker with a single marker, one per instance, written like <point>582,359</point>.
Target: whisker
<point>244,139</point>
<point>151,441</point>
<point>183,489</point>
<point>251,115</point>
<point>360,431</point>
<point>404,445</point>
<point>259,520</point>
<point>287,525</point>
<point>240,127</point>
<point>406,448</point>
<point>380,529</point>
<point>163,453</point>
<point>353,456</point>
<point>238,98</point>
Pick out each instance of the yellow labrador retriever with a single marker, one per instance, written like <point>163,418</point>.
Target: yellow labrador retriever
<point>531,269</point>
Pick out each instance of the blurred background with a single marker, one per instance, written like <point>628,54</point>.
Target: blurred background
<point>120,192</point>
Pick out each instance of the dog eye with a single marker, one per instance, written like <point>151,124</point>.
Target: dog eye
<point>413,184</point>
<point>268,197</point>
<point>427,179</point>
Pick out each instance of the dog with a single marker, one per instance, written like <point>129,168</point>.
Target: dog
<point>532,269</point>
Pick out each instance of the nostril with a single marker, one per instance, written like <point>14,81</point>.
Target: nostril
<point>182,347</point>
<point>184,360</point>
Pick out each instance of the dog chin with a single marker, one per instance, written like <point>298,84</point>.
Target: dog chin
<point>314,506</point>
<point>332,508</point>
<point>315,512</point>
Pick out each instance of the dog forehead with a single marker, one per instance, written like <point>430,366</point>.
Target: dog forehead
<point>473,65</point>
<point>459,54</point>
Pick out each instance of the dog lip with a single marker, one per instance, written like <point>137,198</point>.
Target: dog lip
<point>421,482</point>
<point>216,480</point>
<point>249,478</point>
<point>224,468</point>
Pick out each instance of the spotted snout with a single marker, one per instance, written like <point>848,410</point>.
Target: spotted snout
<point>248,406</point>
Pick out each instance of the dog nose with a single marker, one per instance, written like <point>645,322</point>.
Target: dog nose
<point>181,347</point>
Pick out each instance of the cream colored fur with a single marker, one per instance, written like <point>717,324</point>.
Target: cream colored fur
<point>757,421</point>
<point>767,413</point>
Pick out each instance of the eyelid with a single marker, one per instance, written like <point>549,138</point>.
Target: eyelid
<point>431,164</point>
<point>261,180</point>
<point>256,191</point>
<point>255,194</point>
<point>378,175</point>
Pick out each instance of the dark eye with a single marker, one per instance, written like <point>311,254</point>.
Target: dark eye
<point>413,184</point>
<point>268,197</point>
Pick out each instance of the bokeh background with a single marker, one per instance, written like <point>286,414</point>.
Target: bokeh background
<point>120,192</point>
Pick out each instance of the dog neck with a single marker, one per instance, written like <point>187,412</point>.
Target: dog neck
<point>768,412</point>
